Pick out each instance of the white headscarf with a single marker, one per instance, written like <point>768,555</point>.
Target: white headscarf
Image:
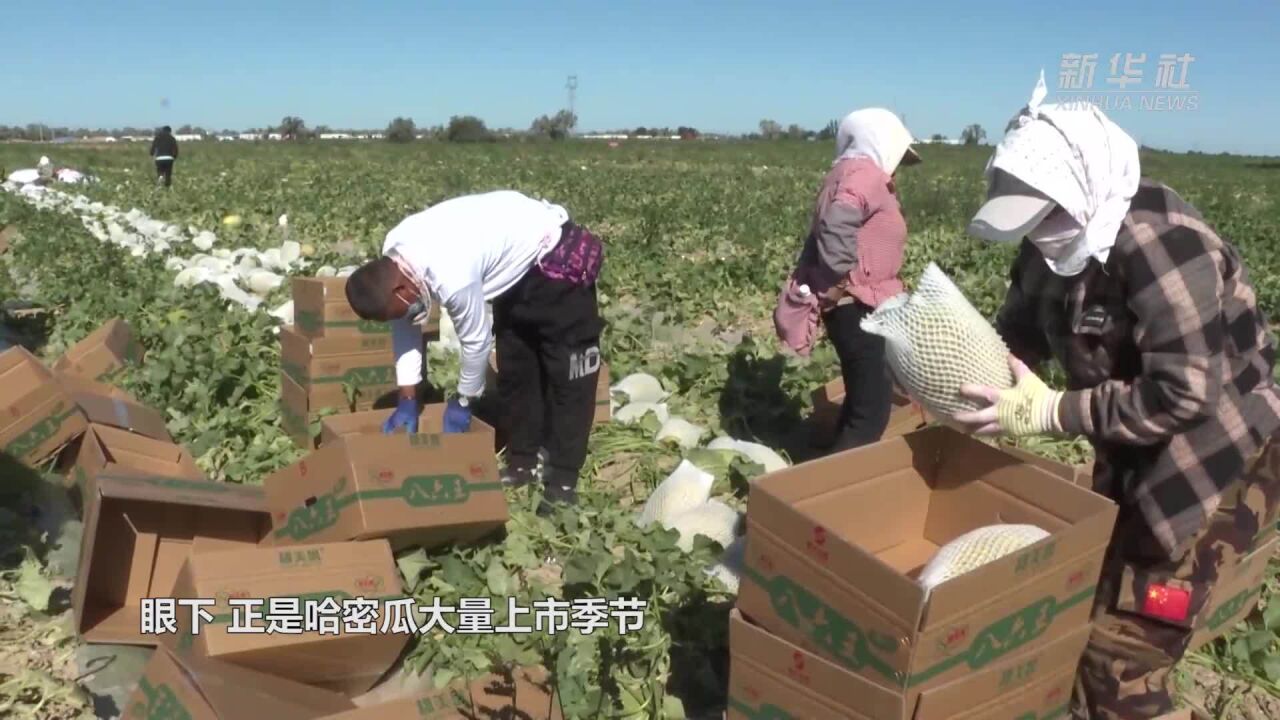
<point>1080,159</point>
<point>874,133</point>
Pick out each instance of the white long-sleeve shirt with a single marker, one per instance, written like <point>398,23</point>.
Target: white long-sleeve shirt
<point>467,251</point>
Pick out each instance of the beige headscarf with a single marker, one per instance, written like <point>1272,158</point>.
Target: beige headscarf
<point>878,134</point>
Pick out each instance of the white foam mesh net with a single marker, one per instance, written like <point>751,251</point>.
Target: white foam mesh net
<point>936,341</point>
<point>977,548</point>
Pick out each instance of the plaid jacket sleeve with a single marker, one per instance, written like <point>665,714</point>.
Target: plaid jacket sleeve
<point>1175,283</point>
<point>1017,320</point>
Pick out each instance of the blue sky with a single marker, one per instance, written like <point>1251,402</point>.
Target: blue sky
<point>717,65</point>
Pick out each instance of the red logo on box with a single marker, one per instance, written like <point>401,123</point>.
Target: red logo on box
<point>1054,695</point>
<point>302,468</point>
<point>384,477</point>
<point>1075,580</point>
<point>954,638</point>
<point>817,544</point>
<point>796,671</point>
<point>477,471</point>
<point>369,584</point>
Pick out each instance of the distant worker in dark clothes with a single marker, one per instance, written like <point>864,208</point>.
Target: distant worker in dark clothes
<point>164,150</point>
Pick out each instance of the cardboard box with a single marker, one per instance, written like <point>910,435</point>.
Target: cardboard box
<point>526,694</point>
<point>1081,474</point>
<point>905,416</point>
<point>184,686</point>
<point>104,449</point>
<point>604,408</point>
<point>349,661</point>
<point>411,489</point>
<point>37,417</point>
<point>770,677</point>
<point>322,366</point>
<point>103,353</point>
<point>833,547</point>
<point>314,372</point>
<point>320,309</point>
<point>137,533</point>
<point>369,422</point>
<point>1236,595</point>
<point>8,234</point>
<point>109,405</point>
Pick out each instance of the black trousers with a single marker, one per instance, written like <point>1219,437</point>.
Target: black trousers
<point>547,334</point>
<point>164,171</point>
<point>868,396</point>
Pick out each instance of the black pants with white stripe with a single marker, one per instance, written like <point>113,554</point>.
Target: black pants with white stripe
<point>547,334</point>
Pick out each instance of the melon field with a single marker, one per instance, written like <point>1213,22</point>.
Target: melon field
<point>698,237</point>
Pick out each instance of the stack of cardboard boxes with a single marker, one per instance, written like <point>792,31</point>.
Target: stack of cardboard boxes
<point>323,528</point>
<point>330,358</point>
<point>830,621</point>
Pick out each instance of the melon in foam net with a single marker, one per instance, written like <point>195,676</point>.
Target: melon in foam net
<point>936,341</point>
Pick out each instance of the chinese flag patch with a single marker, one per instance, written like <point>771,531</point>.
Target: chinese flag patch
<point>1166,603</point>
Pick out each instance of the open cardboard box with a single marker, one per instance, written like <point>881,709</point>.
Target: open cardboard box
<point>525,694</point>
<point>102,353</point>
<point>833,547</point>
<point>905,416</point>
<point>185,686</point>
<point>301,406</point>
<point>320,309</point>
<point>348,660</point>
<point>106,405</point>
<point>137,533</point>
<point>770,677</point>
<point>37,416</point>
<point>104,449</point>
<point>422,489</point>
<point>369,422</point>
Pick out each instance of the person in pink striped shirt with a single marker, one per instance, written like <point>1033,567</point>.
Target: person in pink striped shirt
<point>852,258</point>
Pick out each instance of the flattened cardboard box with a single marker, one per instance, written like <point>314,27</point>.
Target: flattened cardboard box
<point>37,417</point>
<point>835,544</point>
<point>104,449</point>
<point>904,417</point>
<point>320,309</point>
<point>369,422</point>
<point>411,489</point>
<point>103,353</point>
<point>137,533</point>
<point>770,677</point>
<point>527,695</point>
<point>185,686</point>
<point>1237,593</point>
<point>349,661</point>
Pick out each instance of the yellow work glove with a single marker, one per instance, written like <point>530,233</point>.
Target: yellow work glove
<point>1029,408</point>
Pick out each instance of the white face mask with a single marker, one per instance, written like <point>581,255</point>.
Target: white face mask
<point>1061,240</point>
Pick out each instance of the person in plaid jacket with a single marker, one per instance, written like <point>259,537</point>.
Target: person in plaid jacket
<point>1169,367</point>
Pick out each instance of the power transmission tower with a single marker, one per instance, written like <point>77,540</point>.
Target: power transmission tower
<point>572,87</point>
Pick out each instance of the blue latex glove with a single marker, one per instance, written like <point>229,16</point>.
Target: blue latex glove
<point>406,416</point>
<point>457,419</point>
